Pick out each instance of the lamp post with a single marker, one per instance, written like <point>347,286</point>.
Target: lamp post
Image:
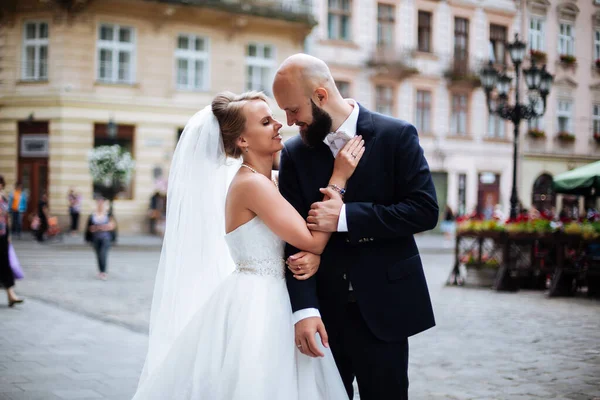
<point>111,129</point>
<point>538,81</point>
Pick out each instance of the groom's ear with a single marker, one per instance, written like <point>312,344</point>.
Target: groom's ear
<point>321,96</point>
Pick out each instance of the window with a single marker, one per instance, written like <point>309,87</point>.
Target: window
<point>423,120</point>
<point>35,52</point>
<point>536,34</point>
<point>461,45</point>
<point>498,44</point>
<point>596,120</point>
<point>496,124</point>
<point>191,61</point>
<point>260,63</point>
<point>462,194</point>
<point>565,108</point>
<point>338,19</point>
<point>116,48</point>
<point>536,123</point>
<point>596,44</point>
<point>344,88</point>
<point>124,138</point>
<point>566,40</point>
<point>424,32</point>
<point>458,120</point>
<point>385,24</point>
<point>384,99</point>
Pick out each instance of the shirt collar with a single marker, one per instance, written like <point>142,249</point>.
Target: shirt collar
<point>349,125</point>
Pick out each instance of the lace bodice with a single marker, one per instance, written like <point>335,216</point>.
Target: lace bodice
<point>256,250</point>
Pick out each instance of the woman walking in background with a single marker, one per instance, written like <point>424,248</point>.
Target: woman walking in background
<point>99,232</point>
<point>7,278</point>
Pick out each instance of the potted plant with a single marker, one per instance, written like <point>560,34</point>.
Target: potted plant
<point>566,137</point>
<point>110,167</point>
<point>536,133</point>
<point>568,59</point>
<point>538,56</point>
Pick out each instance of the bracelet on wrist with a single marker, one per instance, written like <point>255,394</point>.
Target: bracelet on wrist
<point>340,190</point>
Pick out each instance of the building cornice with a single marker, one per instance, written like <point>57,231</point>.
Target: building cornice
<point>538,6</point>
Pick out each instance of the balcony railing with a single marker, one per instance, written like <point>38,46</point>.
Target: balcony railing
<point>290,10</point>
<point>396,63</point>
<point>460,72</point>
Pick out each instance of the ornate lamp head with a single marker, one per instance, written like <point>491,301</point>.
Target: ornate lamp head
<point>516,50</point>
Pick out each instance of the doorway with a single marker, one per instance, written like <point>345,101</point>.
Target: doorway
<point>440,181</point>
<point>488,193</point>
<point>33,164</point>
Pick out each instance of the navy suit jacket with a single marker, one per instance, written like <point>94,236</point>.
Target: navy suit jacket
<point>389,198</point>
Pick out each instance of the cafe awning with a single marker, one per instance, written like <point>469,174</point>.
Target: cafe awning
<point>583,181</point>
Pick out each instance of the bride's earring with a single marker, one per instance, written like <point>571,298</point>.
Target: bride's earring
<point>246,149</point>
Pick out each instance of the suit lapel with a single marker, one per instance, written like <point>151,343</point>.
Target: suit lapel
<point>364,127</point>
<point>320,166</point>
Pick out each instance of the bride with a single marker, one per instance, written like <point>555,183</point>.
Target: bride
<point>221,322</point>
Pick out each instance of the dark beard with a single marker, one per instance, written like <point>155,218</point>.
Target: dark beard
<point>321,126</point>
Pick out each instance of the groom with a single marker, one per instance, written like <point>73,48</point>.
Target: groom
<point>370,291</point>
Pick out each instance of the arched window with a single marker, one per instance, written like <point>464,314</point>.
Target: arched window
<point>543,198</point>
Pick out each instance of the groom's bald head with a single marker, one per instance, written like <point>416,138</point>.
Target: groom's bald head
<point>304,72</point>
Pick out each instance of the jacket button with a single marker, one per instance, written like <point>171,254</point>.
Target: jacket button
<point>344,276</point>
<point>347,240</point>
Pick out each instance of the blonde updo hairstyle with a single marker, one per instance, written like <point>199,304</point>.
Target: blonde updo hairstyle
<point>228,108</point>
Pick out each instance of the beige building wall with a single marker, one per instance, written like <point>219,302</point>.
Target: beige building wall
<point>72,99</point>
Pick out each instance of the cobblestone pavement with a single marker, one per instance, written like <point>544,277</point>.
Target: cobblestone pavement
<point>77,337</point>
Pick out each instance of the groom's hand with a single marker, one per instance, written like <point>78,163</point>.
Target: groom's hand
<point>306,331</point>
<point>324,215</point>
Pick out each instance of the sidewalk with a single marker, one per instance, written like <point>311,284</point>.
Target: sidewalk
<point>124,241</point>
<point>432,243</point>
<point>47,354</point>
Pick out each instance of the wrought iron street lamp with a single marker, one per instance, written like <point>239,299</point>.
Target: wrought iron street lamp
<point>112,129</point>
<point>538,81</point>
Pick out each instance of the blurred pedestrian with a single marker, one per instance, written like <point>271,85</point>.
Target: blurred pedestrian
<point>498,213</point>
<point>74,199</point>
<point>43,214</point>
<point>7,278</point>
<point>18,205</point>
<point>448,225</point>
<point>154,211</point>
<point>99,232</point>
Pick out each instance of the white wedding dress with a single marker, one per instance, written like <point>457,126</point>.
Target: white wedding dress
<point>240,343</point>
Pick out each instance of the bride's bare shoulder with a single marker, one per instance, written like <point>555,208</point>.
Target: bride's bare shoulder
<point>248,184</point>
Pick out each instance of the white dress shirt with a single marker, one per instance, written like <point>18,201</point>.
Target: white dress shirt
<point>335,141</point>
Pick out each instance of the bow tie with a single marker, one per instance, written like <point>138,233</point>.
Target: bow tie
<point>336,141</point>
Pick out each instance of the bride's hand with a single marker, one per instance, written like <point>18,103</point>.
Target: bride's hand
<point>303,265</point>
<point>347,159</point>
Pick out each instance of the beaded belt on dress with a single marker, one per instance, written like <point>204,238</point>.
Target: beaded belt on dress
<point>269,267</point>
